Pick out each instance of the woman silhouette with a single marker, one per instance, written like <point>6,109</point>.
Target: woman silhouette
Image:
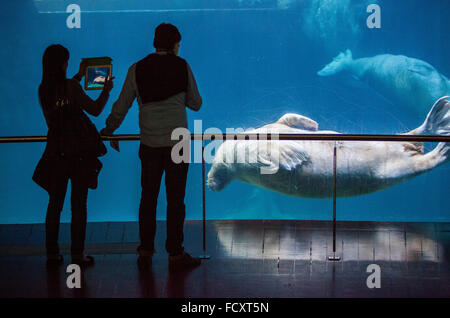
<point>73,145</point>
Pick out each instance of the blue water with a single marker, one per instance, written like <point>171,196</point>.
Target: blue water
<point>254,60</point>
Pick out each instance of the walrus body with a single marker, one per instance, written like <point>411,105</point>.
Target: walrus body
<point>305,168</point>
<point>400,79</point>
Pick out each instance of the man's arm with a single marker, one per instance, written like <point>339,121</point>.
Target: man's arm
<point>193,98</point>
<point>122,105</point>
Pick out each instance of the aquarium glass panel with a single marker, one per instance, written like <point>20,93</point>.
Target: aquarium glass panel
<point>299,66</point>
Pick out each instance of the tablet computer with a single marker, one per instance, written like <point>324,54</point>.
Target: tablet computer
<point>97,70</point>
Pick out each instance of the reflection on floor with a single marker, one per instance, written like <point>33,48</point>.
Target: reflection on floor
<point>248,259</point>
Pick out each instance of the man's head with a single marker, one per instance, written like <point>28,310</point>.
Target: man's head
<point>167,38</point>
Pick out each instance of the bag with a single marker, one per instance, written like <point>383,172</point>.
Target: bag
<point>42,173</point>
<point>78,136</point>
<point>90,136</point>
<point>90,170</point>
<point>73,135</point>
<point>87,168</point>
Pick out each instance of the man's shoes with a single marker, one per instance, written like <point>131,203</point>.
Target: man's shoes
<point>82,260</point>
<point>183,261</point>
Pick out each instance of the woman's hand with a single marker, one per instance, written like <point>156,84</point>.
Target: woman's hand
<point>109,84</point>
<point>82,69</point>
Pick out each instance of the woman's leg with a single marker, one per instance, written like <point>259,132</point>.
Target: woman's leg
<point>57,193</point>
<point>79,211</point>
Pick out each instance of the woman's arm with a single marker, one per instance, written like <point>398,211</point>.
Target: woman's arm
<point>81,71</point>
<point>93,107</point>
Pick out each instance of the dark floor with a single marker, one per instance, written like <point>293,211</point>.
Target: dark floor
<point>248,259</point>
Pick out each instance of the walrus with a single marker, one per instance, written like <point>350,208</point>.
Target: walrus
<point>305,168</point>
<point>400,79</point>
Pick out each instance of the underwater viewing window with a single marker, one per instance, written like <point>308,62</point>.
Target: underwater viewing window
<point>363,74</point>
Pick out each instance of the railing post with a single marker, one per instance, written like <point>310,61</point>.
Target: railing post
<point>334,257</point>
<point>204,255</point>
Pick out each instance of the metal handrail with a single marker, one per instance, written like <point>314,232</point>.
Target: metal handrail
<point>260,136</point>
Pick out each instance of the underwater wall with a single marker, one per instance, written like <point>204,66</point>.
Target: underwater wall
<point>351,66</point>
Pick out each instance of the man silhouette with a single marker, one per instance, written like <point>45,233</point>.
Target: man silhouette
<point>164,85</point>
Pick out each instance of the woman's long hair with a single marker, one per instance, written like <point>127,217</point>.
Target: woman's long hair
<point>52,89</point>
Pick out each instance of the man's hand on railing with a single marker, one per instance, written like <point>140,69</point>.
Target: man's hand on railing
<point>113,143</point>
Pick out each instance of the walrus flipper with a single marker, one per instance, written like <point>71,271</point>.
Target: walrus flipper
<point>298,121</point>
<point>286,156</point>
<point>437,121</point>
